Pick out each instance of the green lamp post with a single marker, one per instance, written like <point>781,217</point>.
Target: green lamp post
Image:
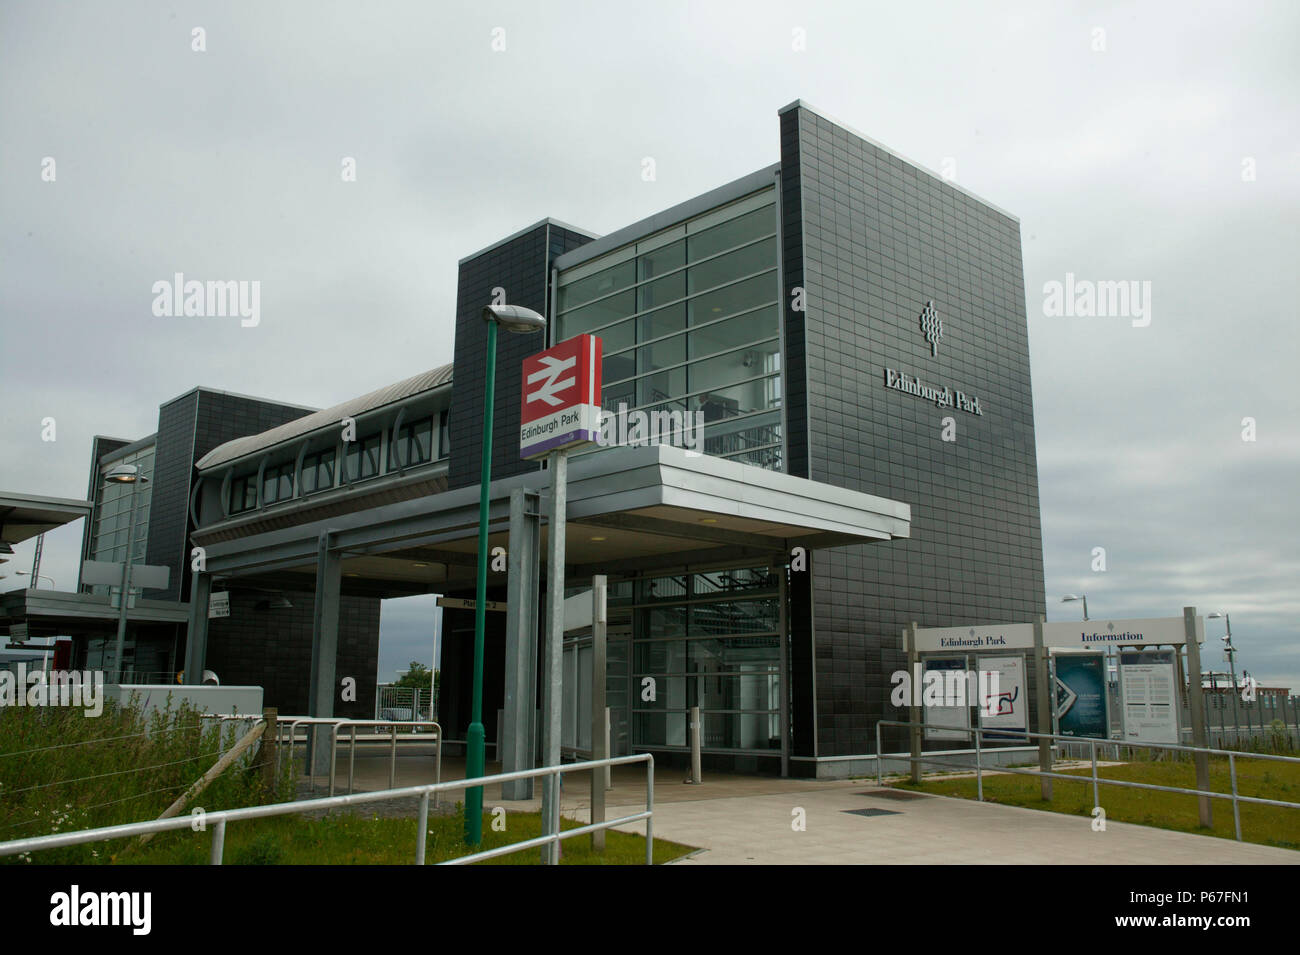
<point>524,321</point>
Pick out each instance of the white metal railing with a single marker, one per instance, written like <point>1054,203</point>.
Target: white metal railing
<point>289,725</point>
<point>392,753</point>
<point>1017,735</point>
<point>218,819</point>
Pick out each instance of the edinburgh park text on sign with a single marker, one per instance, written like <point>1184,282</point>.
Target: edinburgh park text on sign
<point>1148,631</point>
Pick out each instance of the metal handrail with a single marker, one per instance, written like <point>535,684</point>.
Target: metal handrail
<point>392,755</point>
<point>219,818</point>
<point>335,722</point>
<point>1016,735</point>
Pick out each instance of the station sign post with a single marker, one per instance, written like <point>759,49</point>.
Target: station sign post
<point>560,410</point>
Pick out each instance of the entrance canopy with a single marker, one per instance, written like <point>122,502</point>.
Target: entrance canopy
<point>629,509</point>
<point>49,613</point>
<point>23,516</point>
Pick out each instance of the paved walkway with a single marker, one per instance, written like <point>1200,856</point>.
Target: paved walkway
<point>742,820</point>
<point>756,830</point>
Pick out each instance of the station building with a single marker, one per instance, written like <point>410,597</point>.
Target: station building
<point>851,330</point>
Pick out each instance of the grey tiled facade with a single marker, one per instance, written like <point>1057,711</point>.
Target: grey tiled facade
<point>521,266</point>
<point>263,647</point>
<point>871,239</point>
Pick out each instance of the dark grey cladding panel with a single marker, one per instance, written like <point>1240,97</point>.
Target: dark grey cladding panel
<point>878,239</point>
<point>170,492</point>
<point>188,428</point>
<point>271,648</point>
<point>522,268</point>
<point>796,377</point>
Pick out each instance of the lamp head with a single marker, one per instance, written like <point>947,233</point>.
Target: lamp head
<point>1068,597</point>
<point>125,474</point>
<point>514,318</point>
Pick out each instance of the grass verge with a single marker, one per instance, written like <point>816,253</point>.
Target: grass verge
<point>352,839</point>
<point>1265,825</point>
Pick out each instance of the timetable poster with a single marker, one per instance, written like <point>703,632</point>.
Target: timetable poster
<point>1149,696</point>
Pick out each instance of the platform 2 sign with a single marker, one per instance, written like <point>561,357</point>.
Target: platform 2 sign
<point>561,397</point>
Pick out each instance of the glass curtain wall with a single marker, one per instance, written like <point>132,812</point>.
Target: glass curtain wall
<point>113,513</point>
<point>690,323</point>
<point>708,640</point>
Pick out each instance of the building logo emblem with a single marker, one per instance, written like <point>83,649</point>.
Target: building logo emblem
<point>931,326</point>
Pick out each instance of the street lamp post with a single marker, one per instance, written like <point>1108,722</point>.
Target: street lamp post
<point>125,474</point>
<point>38,579</point>
<point>1232,667</point>
<point>1084,597</point>
<point>522,321</point>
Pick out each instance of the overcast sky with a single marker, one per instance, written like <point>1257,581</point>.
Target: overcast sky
<point>1153,143</point>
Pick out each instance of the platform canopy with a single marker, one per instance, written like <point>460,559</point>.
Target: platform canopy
<point>629,509</point>
<point>23,516</point>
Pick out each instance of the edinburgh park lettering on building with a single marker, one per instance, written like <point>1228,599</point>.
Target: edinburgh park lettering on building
<point>944,397</point>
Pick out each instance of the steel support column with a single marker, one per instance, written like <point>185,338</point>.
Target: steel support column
<point>196,635</point>
<point>518,735</point>
<point>553,657</point>
<point>324,644</point>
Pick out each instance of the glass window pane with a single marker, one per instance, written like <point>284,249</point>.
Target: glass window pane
<point>308,475</point>
<point>742,730</point>
<point>370,456</point>
<point>589,317</point>
<point>614,395</point>
<point>731,234</point>
<point>325,472</point>
<point>752,258</point>
<point>422,438</point>
<point>617,367</point>
<point>661,260</point>
<point>733,616</point>
<point>735,366</point>
<point>661,322</point>
<point>722,403</point>
<point>616,337</point>
<point>286,483</point>
<point>751,327</point>
<point>738,297</point>
<point>661,386</point>
<point>660,729</point>
<point>743,437</point>
<point>669,351</point>
<point>658,658</point>
<point>594,286</point>
<point>661,291</point>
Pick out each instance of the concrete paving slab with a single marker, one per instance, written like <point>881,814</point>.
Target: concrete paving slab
<point>742,820</point>
<point>756,829</point>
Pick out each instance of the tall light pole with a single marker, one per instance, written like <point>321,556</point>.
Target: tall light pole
<point>1084,597</point>
<point>125,474</point>
<point>40,577</point>
<point>523,321</point>
<point>1231,651</point>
